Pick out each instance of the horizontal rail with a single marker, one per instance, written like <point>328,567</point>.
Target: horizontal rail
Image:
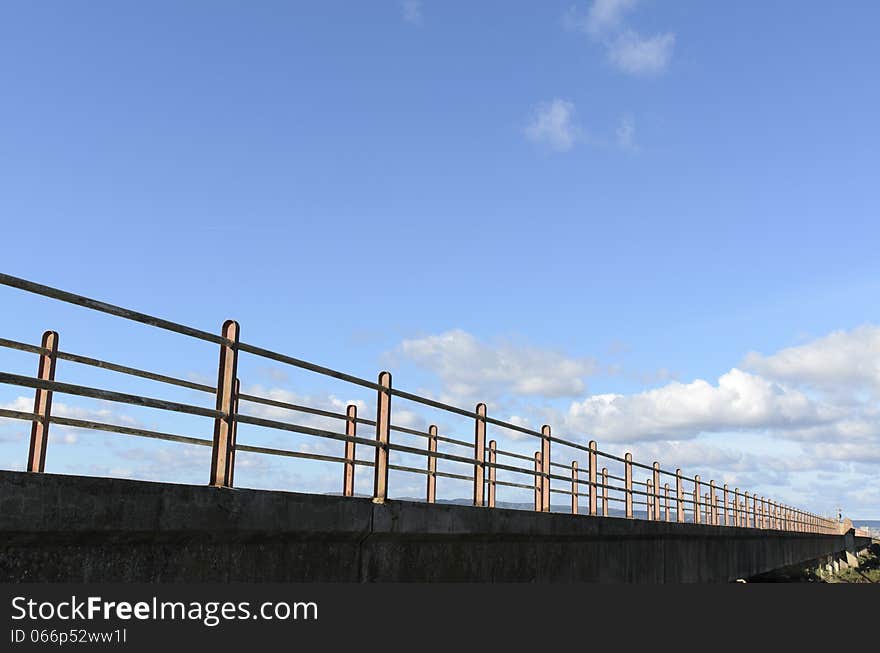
<point>111,309</point>
<point>106,395</point>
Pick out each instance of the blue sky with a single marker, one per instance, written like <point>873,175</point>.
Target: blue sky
<point>622,199</point>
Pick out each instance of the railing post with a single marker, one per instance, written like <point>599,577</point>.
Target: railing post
<point>230,463</point>
<point>223,425</point>
<point>746,510</point>
<point>492,456</point>
<point>628,484</point>
<point>736,517</point>
<point>604,491</point>
<point>726,507</point>
<point>383,438</point>
<point>545,468</point>
<point>649,499</point>
<point>755,510</point>
<point>43,404</point>
<point>707,510</point>
<point>697,499</point>
<point>479,454</point>
<point>574,487</point>
<point>656,484</point>
<point>712,503</point>
<point>679,497</point>
<point>351,413</point>
<point>666,498</point>
<point>594,508</point>
<point>538,482</point>
<point>432,464</point>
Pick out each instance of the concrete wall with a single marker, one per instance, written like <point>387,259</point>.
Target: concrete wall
<point>70,528</point>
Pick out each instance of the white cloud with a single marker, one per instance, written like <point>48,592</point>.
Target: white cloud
<point>606,14</point>
<point>842,359</point>
<point>639,55</point>
<point>868,452</point>
<point>626,49</point>
<point>683,410</point>
<point>552,125</point>
<point>412,11</point>
<point>475,371</point>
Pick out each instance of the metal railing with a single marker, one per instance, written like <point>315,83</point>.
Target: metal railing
<point>664,495</point>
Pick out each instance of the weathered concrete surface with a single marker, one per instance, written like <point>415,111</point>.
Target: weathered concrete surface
<point>71,528</point>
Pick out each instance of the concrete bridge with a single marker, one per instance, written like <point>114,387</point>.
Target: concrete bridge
<point>73,528</point>
<point>670,526</point>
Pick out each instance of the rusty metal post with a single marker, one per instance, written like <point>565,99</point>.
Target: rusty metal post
<point>594,508</point>
<point>604,491</point>
<point>656,485</point>
<point>714,518</point>
<point>43,404</point>
<point>679,497</point>
<point>628,483</point>
<point>666,497</point>
<point>764,521</point>
<point>479,454</point>
<point>538,482</point>
<point>383,438</point>
<point>755,510</point>
<point>649,500</point>
<point>707,510</point>
<point>726,507</point>
<point>545,468</point>
<point>492,456</point>
<point>736,518</point>
<point>746,509</point>
<point>574,487</point>
<point>432,464</point>
<point>351,413</point>
<point>230,464</point>
<point>223,425</point>
<point>697,498</point>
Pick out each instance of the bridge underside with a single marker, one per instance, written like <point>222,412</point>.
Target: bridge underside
<point>82,529</point>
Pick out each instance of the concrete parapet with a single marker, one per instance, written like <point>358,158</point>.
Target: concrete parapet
<point>71,528</point>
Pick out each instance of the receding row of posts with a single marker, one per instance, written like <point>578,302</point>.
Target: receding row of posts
<point>732,508</point>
